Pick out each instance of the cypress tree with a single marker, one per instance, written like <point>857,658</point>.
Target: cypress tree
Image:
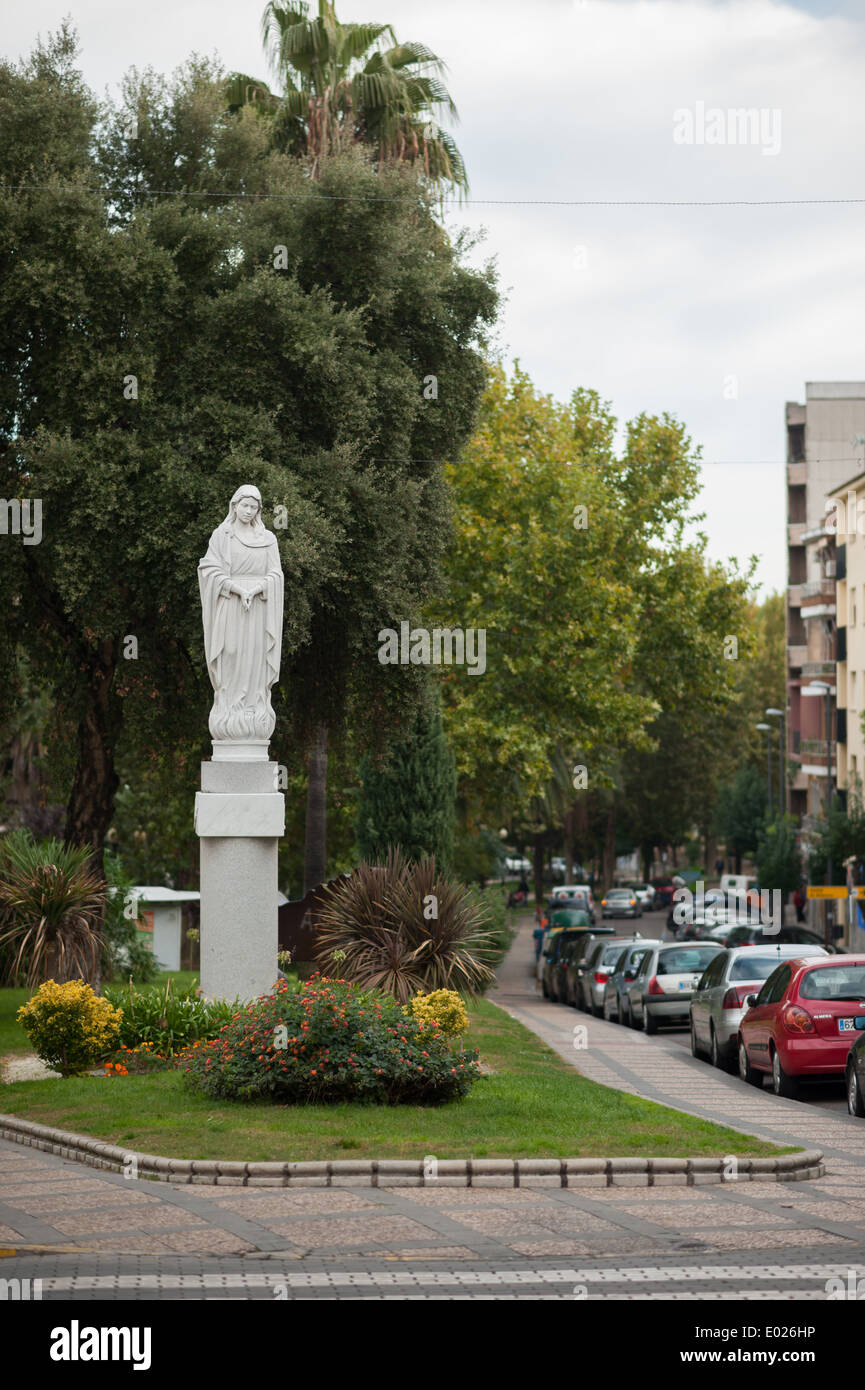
<point>409,798</point>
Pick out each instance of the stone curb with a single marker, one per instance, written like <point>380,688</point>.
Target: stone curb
<point>429,1172</point>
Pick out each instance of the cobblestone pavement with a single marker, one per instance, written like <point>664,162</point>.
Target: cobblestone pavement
<point>90,1234</point>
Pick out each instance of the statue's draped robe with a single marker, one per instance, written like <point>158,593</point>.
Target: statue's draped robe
<point>242,647</point>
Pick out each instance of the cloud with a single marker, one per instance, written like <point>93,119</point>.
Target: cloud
<point>568,101</point>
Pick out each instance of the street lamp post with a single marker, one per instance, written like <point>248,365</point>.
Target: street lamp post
<point>767,729</point>
<point>782,785</point>
<point>815,690</point>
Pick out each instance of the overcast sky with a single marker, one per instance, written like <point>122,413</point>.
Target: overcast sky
<point>718,315</point>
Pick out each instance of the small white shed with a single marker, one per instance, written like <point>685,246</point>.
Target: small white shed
<point>159,918</point>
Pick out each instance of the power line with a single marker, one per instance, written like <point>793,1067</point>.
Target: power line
<point>460,203</point>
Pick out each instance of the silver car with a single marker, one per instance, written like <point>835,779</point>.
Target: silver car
<point>596,967</point>
<point>718,1003</point>
<point>665,980</point>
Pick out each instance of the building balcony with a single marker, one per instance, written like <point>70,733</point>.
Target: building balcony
<point>797,474</point>
<point>819,589</point>
<point>818,610</point>
<point>796,532</point>
<point>794,595</point>
<point>813,750</point>
<point>797,655</point>
<point>812,670</point>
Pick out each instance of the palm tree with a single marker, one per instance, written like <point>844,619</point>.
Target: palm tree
<point>342,84</point>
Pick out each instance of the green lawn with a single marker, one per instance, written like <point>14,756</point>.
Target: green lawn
<point>533,1105</point>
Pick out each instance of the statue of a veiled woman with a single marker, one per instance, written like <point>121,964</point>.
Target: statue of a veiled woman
<point>241,584</point>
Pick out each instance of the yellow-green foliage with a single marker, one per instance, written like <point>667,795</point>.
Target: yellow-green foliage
<point>443,1007</point>
<point>70,1027</point>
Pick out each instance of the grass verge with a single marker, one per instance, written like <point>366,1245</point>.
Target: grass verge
<point>532,1105</point>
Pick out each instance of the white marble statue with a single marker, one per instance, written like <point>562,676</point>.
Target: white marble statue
<point>241,584</point>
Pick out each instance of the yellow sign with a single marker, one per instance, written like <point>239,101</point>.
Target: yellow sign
<point>819,891</point>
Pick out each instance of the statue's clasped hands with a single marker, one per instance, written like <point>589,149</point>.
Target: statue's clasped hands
<point>247,595</point>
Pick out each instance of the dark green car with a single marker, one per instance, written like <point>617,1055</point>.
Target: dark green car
<point>567,926</point>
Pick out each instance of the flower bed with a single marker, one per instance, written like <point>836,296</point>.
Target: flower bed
<point>330,1041</point>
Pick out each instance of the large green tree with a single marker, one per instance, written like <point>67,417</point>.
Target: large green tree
<point>601,614</point>
<point>157,348</point>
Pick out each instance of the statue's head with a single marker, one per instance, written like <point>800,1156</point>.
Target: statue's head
<point>246,507</point>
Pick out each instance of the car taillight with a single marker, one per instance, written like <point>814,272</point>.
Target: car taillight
<point>654,987</point>
<point>736,996</point>
<point>798,1020</point>
<point>603,902</point>
<point>601,976</point>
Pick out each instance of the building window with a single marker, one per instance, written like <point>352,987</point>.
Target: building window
<point>853,765</point>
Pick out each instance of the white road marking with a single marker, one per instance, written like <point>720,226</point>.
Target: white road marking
<point>817,1274</point>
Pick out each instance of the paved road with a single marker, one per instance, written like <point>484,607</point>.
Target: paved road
<point>92,1235</point>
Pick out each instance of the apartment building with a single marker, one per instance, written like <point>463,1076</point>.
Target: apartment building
<point>849,504</point>
<point>825,446</point>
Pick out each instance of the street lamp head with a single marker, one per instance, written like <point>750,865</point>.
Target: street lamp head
<point>816,688</point>
<point>778,713</point>
<point>764,728</point>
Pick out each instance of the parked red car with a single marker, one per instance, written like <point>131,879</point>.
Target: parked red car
<point>803,1022</point>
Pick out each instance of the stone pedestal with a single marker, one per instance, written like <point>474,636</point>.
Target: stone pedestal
<point>239,818</point>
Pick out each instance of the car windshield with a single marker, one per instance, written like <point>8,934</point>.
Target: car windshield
<point>834,982</point>
<point>619,893</point>
<point>685,960</point>
<point>753,967</point>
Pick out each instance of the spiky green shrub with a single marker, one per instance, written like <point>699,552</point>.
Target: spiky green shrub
<point>404,928</point>
<point>169,1019</point>
<point>52,904</point>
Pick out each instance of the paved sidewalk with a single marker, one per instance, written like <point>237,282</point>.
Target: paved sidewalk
<point>94,1234</point>
<point>661,1070</point>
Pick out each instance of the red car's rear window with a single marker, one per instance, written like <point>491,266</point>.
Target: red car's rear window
<point>834,982</point>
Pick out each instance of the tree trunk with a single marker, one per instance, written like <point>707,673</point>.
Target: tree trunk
<point>570,817</point>
<point>538,854</point>
<point>648,855</point>
<point>91,801</point>
<point>94,787</point>
<point>315,851</point>
<point>608,863</point>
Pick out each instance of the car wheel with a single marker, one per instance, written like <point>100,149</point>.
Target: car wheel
<point>605,1010</point>
<point>696,1049</point>
<point>746,1071</point>
<point>855,1103</point>
<point>718,1059</point>
<point>782,1084</point>
<point>650,1025</point>
<point>595,1009</point>
<point>544,990</point>
<point>633,1021</point>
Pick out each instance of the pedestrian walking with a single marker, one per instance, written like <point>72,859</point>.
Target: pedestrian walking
<point>800,898</point>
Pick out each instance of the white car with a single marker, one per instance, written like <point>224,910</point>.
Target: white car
<point>518,866</point>
<point>645,892</point>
